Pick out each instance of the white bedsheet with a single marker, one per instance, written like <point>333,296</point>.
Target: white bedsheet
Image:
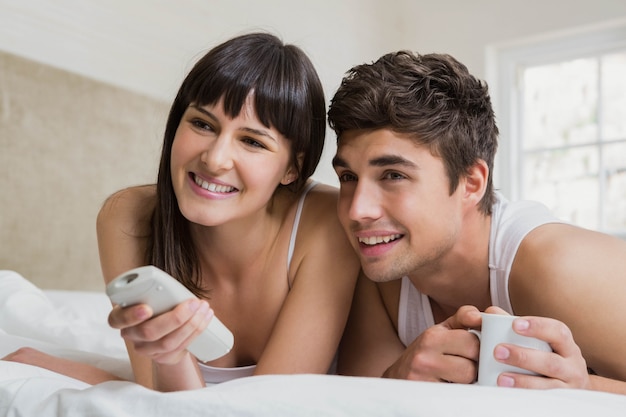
<point>69,324</point>
<point>73,325</point>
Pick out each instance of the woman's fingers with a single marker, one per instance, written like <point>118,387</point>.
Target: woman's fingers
<point>121,318</point>
<point>164,337</point>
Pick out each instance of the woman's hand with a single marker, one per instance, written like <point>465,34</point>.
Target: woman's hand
<point>163,338</point>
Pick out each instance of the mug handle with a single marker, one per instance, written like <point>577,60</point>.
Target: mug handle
<point>476,333</point>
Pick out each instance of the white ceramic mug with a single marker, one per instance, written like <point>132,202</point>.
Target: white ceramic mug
<point>496,329</point>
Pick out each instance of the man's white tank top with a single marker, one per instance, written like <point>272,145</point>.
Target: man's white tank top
<point>510,223</point>
<point>215,375</point>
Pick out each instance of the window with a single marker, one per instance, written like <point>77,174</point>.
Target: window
<point>561,108</point>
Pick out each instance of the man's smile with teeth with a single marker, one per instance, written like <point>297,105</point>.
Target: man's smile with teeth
<point>375,240</point>
<point>216,188</point>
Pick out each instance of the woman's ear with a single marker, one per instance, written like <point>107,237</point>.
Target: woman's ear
<point>475,182</point>
<point>290,176</point>
<point>292,172</point>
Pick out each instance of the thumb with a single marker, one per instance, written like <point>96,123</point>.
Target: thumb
<point>496,310</point>
<point>464,318</point>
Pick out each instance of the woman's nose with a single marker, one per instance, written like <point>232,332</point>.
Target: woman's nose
<point>219,154</point>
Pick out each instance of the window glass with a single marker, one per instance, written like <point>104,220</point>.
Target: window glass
<point>615,203</point>
<point>560,104</point>
<point>614,94</point>
<point>566,180</point>
<point>572,139</point>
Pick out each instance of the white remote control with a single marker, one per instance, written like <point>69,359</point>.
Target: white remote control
<point>162,292</point>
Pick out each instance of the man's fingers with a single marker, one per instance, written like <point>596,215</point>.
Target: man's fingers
<point>528,381</point>
<point>496,310</point>
<point>555,332</point>
<point>465,317</point>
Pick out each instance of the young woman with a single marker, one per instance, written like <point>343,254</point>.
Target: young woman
<point>236,219</point>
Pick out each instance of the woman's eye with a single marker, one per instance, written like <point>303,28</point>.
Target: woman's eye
<point>254,143</point>
<point>200,124</point>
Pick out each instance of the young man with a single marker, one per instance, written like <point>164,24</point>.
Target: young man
<point>416,144</point>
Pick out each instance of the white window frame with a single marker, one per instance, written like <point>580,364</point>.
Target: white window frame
<point>504,64</point>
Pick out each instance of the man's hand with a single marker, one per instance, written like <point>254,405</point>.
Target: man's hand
<point>565,367</point>
<point>446,352</point>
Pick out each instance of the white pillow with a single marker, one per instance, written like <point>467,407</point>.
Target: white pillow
<point>69,324</point>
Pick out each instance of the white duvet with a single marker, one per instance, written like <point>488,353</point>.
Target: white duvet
<point>72,324</point>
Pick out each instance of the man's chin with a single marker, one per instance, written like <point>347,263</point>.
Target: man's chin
<point>378,274</point>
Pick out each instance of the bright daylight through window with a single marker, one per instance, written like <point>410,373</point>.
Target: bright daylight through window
<point>573,139</point>
<point>564,127</point>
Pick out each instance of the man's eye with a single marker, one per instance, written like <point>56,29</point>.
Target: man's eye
<point>393,176</point>
<point>346,177</point>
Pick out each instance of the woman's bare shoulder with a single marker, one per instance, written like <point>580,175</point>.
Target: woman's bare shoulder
<point>319,215</point>
<point>323,200</point>
<point>130,209</point>
<point>123,229</point>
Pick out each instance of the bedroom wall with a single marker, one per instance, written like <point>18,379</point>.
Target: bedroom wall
<point>101,75</point>
<point>67,142</point>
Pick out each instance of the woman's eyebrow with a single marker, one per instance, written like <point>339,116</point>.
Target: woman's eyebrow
<point>203,111</point>
<point>259,133</point>
<point>251,130</point>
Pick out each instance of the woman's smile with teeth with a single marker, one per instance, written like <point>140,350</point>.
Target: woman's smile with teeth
<point>216,188</point>
<point>374,240</point>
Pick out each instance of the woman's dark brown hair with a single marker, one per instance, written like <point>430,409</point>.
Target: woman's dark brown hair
<point>287,96</point>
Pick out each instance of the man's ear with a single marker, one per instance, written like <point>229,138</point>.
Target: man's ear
<point>475,182</point>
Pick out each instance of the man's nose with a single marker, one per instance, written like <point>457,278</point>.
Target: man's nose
<point>366,203</point>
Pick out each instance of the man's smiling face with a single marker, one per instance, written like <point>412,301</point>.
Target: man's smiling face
<point>394,203</point>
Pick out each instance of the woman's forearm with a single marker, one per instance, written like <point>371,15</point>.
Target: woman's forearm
<point>184,375</point>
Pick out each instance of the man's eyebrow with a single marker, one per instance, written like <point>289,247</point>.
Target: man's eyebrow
<point>386,160</point>
<point>251,130</point>
<point>381,161</point>
<point>339,162</point>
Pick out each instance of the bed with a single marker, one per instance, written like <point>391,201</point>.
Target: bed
<point>72,324</point>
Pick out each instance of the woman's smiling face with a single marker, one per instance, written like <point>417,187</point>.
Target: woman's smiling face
<point>226,168</point>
